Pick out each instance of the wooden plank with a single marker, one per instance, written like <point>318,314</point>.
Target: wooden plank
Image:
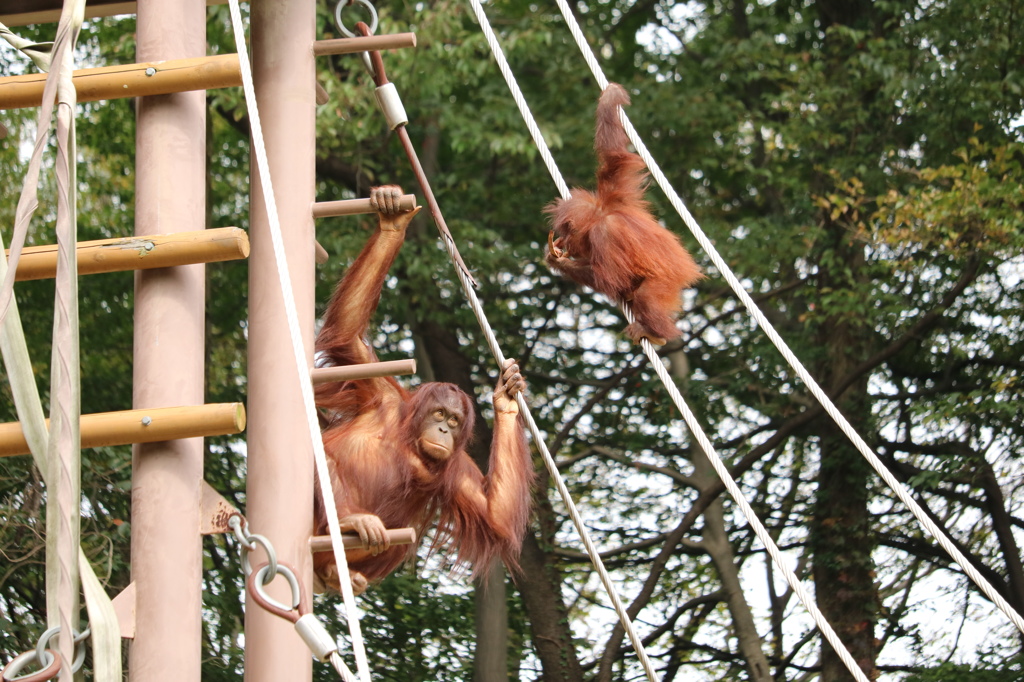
<point>139,253</point>
<point>129,80</point>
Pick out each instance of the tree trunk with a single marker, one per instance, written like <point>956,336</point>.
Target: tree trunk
<point>542,598</point>
<point>841,538</point>
<point>715,542</point>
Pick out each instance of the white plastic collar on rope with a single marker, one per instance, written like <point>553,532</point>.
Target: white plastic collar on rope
<point>302,369</point>
<point>688,416</point>
<point>677,203</point>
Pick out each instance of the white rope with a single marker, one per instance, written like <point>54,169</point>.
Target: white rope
<point>897,487</point>
<point>692,422</point>
<point>302,367</point>
<point>549,462</point>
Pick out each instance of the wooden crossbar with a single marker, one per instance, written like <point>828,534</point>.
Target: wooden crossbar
<point>330,209</point>
<point>397,536</point>
<point>139,253</point>
<point>391,41</point>
<point>129,80</point>
<point>369,370</point>
<point>22,12</point>
<point>141,426</point>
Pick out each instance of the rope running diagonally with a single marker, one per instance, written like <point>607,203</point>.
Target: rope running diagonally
<point>467,286</point>
<point>897,487</point>
<point>688,416</point>
<point>306,385</point>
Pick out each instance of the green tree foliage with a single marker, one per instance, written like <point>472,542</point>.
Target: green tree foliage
<point>857,164</point>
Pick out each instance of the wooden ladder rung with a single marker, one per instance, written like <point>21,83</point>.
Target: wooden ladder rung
<point>139,253</point>
<point>330,209</point>
<point>129,80</point>
<point>391,41</point>
<point>397,536</point>
<point>141,426</point>
<point>369,370</point>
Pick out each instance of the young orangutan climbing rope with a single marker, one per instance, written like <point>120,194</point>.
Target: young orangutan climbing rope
<point>398,458</point>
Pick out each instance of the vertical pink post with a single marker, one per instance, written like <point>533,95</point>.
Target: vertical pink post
<point>169,357</point>
<point>280,460</point>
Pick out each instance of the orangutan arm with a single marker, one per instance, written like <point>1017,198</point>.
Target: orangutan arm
<point>355,300</point>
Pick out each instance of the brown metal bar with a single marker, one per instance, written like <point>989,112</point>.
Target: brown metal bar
<point>397,536</point>
<point>139,253</point>
<point>392,41</point>
<point>141,426</point>
<point>330,209</point>
<point>370,370</point>
<point>129,80</point>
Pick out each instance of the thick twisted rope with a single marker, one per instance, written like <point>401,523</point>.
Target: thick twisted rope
<point>298,352</point>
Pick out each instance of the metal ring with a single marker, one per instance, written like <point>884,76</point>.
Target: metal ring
<point>342,4</point>
<point>48,672</point>
<point>271,558</point>
<point>256,583</point>
<point>365,56</point>
<point>44,641</point>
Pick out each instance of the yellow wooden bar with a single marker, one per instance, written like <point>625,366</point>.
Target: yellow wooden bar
<point>48,11</point>
<point>141,426</point>
<point>139,253</point>
<point>129,80</point>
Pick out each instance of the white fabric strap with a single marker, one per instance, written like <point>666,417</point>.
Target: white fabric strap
<point>897,487</point>
<point>301,366</point>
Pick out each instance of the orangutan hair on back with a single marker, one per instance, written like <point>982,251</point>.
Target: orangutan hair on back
<point>609,241</point>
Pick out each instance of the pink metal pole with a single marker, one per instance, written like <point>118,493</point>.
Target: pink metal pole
<point>280,457</point>
<point>168,368</point>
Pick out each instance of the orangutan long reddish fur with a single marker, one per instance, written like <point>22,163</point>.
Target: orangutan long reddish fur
<point>375,463</point>
<point>610,242</point>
